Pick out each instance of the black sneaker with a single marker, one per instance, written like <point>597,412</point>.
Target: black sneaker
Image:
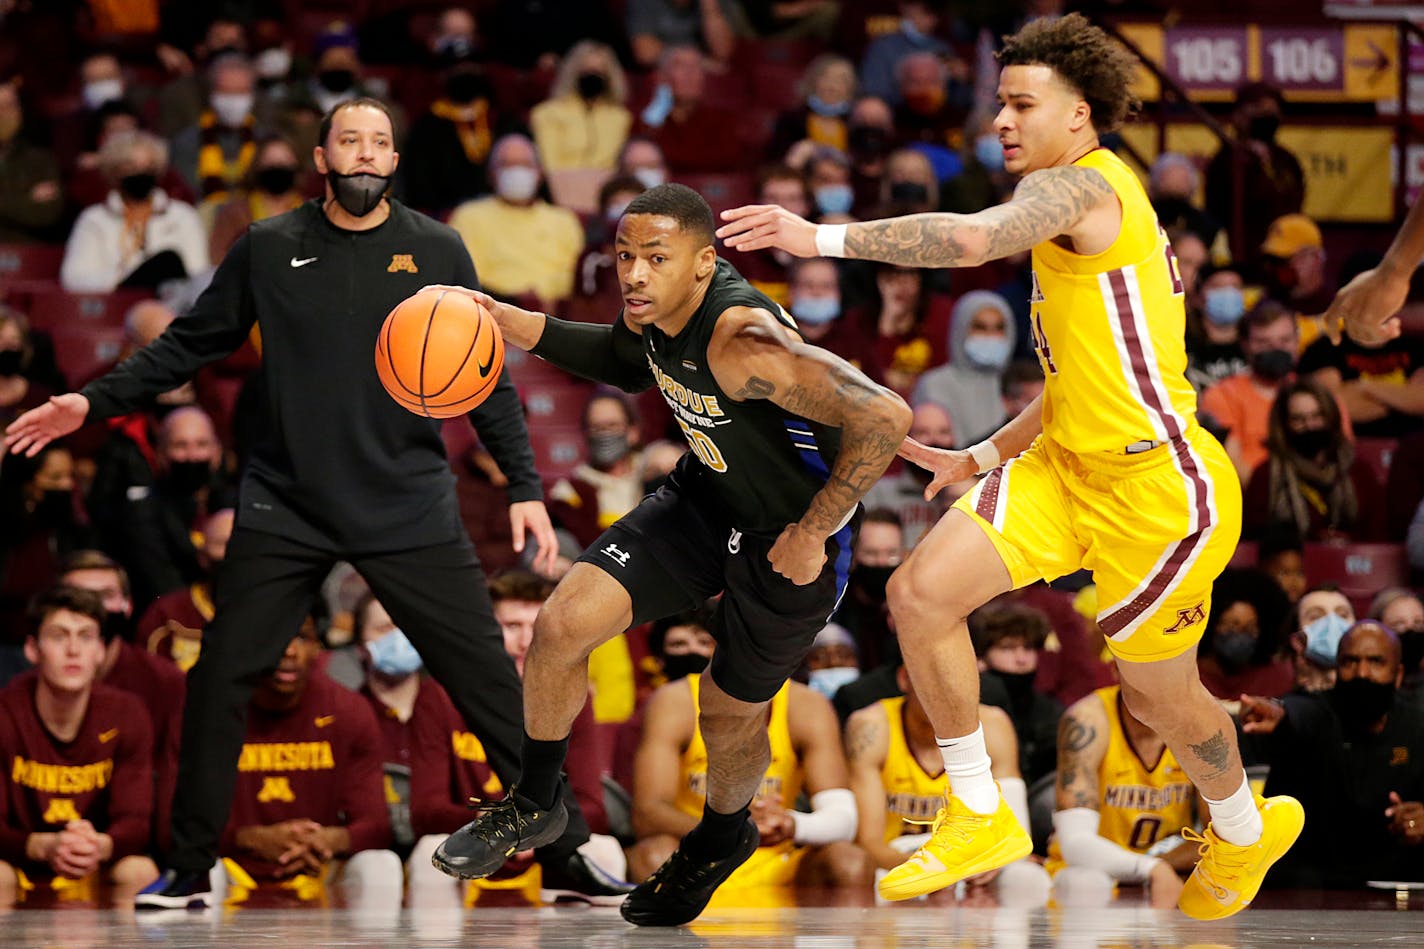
<point>678,891</point>
<point>579,880</point>
<point>503,829</point>
<point>176,889</point>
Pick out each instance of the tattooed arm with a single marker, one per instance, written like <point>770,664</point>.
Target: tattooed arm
<point>1082,743</point>
<point>1066,200</point>
<point>867,742</point>
<point>753,356</point>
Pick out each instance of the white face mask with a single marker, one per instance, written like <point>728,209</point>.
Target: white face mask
<point>650,177</point>
<point>516,183</point>
<point>99,91</point>
<point>231,108</point>
<point>273,63</point>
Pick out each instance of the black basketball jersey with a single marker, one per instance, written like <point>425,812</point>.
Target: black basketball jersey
<point>762,463</point>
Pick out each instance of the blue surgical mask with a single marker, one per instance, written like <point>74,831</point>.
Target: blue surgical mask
<point>835,199</point>
<point>827,681</point>
<point>393,655</point>
<point>815,311</point>
<point>1322,639</point>
<point>987,352</point>
<point>832,110</point>
<point>1224,306</point>
<point>989,152</point>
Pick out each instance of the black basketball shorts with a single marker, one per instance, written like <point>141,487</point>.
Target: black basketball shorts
<point>675,550</point>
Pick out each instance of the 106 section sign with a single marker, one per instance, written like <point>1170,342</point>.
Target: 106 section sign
<point>1357,62</point>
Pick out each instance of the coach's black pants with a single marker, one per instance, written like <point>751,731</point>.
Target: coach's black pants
<point>264,589</point>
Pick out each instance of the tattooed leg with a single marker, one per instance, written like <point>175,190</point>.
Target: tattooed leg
<point>1168,697</point>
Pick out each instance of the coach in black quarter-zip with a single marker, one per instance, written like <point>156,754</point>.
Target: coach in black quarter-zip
<point>339,472</point>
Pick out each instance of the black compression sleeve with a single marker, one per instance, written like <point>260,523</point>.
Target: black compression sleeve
<point>609,354</point>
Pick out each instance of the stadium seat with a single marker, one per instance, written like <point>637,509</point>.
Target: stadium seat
<point>554,402</point>
<point>56,307</point>
<point>1246,554</point>
<point>1359,570</point>
<point>1378,453</point>
<point>83,350</point>
<point>722,191</point>
<point>30,261</point>
<point>558,448</point>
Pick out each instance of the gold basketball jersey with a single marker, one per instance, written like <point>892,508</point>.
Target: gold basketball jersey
<point>1139,804</point>
<point>1109,330</point>
<point>912,795</point>
<point>782,781</point>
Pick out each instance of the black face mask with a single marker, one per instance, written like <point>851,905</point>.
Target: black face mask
<point>118,626</point>
<point>276,179</point>
<point>591,85</point>
<point>1411,647</point>
<point>1019,685</point>
<point>866,142</point>
<point>1233,649</point>
<point>1273,365</point>
<point>1310,442</point>
<point>871,581</point>
<point>10,362</point>
<point>1171,209</point>
<point>56,506</point>
<point>139,186</point>
<point>1361,702</point>
<point>684,665</point>
<point>1263,128</point>
<point>186,477</point>
<point>336,80</point>
<point>909,194</point>
<point>466,87</point>
<point>359,194</point>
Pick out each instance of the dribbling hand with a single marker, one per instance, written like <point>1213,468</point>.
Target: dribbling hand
<point>758,226</point>
<point>947,465</point>
<point>518,326</point>
<point>42,424</point>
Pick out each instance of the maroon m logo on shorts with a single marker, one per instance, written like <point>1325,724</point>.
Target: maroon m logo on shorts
<point>1186,618</point>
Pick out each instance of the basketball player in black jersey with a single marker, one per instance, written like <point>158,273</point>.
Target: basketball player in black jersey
<point>786,438</point>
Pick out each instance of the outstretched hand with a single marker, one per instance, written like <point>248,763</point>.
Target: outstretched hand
<point>1366,308</point>
<point>532,517</point>
<point>1260,716</point>
<point>948,465</point>
<point>42,424</point>
<point>758,226</point>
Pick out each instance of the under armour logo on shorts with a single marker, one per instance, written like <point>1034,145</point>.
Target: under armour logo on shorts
<point>617,553</point>
<point>734,543</point>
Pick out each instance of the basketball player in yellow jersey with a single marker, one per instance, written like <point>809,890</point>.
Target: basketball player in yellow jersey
<point>1123,801</point>
<point>1107,470</point>
<point>670,789</point>
<point>899,781</point>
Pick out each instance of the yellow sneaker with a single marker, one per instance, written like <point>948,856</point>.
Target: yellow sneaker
<point>1227,877</point>
<point>962,844</point>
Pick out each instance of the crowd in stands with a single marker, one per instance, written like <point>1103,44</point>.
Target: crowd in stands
<point>126,175</point>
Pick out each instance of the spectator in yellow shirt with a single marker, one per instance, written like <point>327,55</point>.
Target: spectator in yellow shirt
<point>520,243</point>
<point>585,121</point>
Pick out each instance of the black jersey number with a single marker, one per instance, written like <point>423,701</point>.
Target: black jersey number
<point>703,447</point>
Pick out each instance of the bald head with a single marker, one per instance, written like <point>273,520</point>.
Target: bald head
<point>146,321</point>
<point>931,425</point>
<point>187,434</point>
<point>1369,650</point>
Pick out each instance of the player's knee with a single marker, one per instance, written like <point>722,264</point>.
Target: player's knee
<point>913,590</point>
<point>134,872</point>
<point>559,632</point>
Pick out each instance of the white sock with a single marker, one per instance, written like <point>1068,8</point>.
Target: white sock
<point>966,762</point>
<point>1236,820</point>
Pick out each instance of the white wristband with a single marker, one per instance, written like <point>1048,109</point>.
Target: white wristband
<point>985,455</point>
<point>830,239</point>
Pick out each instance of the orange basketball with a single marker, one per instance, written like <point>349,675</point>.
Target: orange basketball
<point>439,353</point>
